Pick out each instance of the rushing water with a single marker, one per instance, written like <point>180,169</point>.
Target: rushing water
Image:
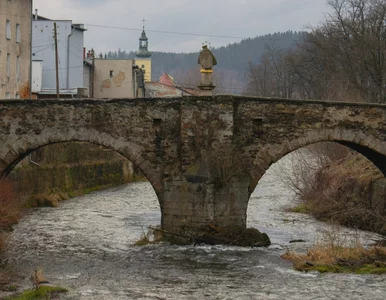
<point>86,245</point>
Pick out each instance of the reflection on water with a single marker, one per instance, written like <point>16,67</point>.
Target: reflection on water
<point>87,245</point>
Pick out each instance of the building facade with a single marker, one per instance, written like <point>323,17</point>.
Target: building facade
<point>70,52</point>
<point>113,78</point>
<point>15,48</point>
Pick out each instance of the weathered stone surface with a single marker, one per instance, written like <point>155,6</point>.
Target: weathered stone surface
<point>203,155</point>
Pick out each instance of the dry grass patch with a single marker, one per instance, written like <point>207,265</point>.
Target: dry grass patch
<point>337,252</point>
<point>340,260</point>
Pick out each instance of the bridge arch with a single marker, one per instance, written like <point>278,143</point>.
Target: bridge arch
<point>20,147</point>
<point>371,147</point>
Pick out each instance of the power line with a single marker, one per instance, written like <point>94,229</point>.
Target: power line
<point>64,45</point>
<point>77,48</point>
<point>170,32</point>
<point>259,37</point>
<point>40,46</point>
<point>167,32</point>
<point>33,53</point>
<point>77,67</point>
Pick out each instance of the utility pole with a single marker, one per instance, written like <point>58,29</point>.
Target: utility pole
<point>56,61</point>
<point>30,56</point>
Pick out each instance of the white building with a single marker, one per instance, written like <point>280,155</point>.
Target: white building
<point>70,51</point>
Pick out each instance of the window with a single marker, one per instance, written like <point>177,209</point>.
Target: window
<point>8,64</point>
<point>17,96</point>
<point>17,33</point>
<point>8,25</point>
<point>7,95</point>
<point>18,68</point>
<point>111,74</point>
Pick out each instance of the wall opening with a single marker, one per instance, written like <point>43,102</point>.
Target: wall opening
<point>52,174</point>
<point>328,181</point>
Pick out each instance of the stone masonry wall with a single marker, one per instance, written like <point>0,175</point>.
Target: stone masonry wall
<point>203,155</point>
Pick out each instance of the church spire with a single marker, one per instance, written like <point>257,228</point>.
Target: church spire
<point>143,51</point>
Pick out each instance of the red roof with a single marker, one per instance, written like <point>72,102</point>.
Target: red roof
<point>166,79</point>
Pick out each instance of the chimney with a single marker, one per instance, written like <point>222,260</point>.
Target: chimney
<point>36,14</point>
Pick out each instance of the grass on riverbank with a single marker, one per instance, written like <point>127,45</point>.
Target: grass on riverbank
<point>340,260</point>
<point>43,292</point>
<point>52,197</point>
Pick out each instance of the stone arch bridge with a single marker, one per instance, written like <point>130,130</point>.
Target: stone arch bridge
<point>203,155</point>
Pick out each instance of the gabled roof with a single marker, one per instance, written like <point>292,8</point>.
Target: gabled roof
<point>166,79</point>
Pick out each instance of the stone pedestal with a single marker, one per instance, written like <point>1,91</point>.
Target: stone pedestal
<point>206,85</point>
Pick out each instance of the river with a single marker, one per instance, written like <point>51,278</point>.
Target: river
<point>86,245</point>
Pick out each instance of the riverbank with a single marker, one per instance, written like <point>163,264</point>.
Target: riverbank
<point>345,191</point>
<point>350,191</point>
<point>62,171</point>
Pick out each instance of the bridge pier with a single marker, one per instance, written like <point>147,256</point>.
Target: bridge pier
<point>191,205</point>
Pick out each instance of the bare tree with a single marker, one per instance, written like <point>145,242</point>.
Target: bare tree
<point>259,80</point>
<point>274,76</point>
<point>227,82</point>
<point>349,49</point>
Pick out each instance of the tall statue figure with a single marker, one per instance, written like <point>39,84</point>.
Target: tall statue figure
<point>207,60</point>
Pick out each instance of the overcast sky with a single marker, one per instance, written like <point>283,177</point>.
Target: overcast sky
<point>232,18</point>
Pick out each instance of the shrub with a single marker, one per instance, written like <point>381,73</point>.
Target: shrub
<point>335,184</point>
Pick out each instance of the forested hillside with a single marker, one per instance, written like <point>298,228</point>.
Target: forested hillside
<point>233,60</point>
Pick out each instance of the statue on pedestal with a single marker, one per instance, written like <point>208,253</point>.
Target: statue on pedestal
<point>207,60</point>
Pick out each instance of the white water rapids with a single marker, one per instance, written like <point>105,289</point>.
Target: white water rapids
<point>86,245</point>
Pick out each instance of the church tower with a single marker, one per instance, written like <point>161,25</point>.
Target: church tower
<point>143,55</point>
